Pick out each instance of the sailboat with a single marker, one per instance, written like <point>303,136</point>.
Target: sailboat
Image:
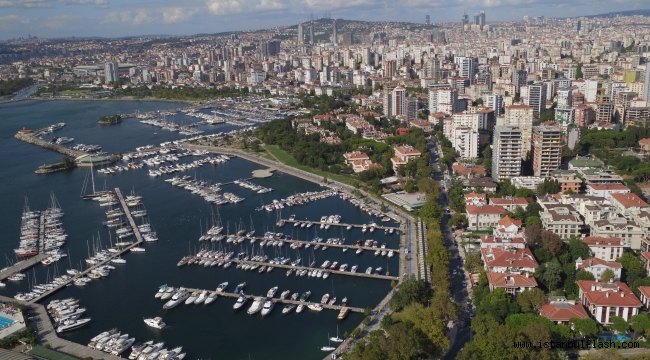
<point>242,229</point>
<point>329,347</point>
<point>336,339</point>
<point>95,194</point>
<point>251,233</point>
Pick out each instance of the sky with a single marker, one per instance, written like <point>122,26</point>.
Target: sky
<point>117,18</point>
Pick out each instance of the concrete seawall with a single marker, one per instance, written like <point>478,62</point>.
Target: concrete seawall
<point>30,139</point>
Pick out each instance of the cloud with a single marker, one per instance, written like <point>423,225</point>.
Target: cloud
<point>57,22</point>
<point>8,21</point>
<point>140,16</point>
<point>103,4</point>
<point>26,3</point>
<point>177,14</point>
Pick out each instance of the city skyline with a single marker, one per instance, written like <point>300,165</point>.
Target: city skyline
<point>119,18</point>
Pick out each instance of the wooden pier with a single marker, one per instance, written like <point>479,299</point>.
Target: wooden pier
<point>136,233</point>
<point>20,266</point>
<point>127,212</point>
<point>351,247</point>
<point>377,227</point>
<point>337,272</point>
<point>283,301</point>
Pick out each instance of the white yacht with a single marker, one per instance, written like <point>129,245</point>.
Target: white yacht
<point>181,295</point>
<point>241,301</point>
<point>272,292</point>
<point>121,346</point>
<point>222,287</point>
<point>201,298</point>
<point>192,298</point>
<point>155,322</point>
<point>212,297</point>
<point>257,306</point>
<point>268,306</point>
<point>72,324</point>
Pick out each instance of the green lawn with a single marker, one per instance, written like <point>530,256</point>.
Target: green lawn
<point>74,92</point>
<point>288,160</point>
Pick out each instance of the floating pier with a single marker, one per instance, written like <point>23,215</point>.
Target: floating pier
<point>20,266</point>
<point>283,301</point>
<point>136,233</point>
<point>377,227</point>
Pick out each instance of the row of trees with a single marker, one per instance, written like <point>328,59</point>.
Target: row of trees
<point>10,86</point>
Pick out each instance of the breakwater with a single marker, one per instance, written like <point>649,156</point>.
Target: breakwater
<point>32,139</point>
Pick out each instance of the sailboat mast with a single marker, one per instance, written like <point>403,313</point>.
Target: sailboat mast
<point>92,176</point>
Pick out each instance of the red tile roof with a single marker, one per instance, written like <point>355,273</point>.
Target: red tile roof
<point>497,257</point>
<point>511,280</point>
<point>592,261</point>
<point>629,200</point>
<point>645,291</point>
<point>616,293</point>
<point>485,209</point>
<point>513,201</point>
<point>562,311</point>
<point>507,221</point>
<point>610,187</point>
<point>603,241</point>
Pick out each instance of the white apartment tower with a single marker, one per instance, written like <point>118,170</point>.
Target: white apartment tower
<point>537,97</point>
<point>465,68</point>
<point>495,102</point>
<point>506,152</point>
<point>111,72</point>
<point>466,142</point>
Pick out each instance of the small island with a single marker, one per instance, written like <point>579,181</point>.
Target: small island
<point>65,164</point>
<point>110,120</point>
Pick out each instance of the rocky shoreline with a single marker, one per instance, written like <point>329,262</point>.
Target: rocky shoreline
<point>51,168</point>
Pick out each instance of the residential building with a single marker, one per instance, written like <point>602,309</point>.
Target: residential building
<point>605,248</point>
<point>567,180</point>
<point>509,228</point>
<point>398,102</point>
<point>483,217</point>
<point>629,231</point>
<point>404,154</point>
<point>547,149</point>
<point>645,259</point>
<point>508,260</point>
<point>468,170</point>
<point>521,116</point>
<point>494,102</point>
<point>537,97</point>
<point>466,68</point>
<point>111,72</point>
<point>606,190</point>
<point>597,266</point>
<point>526,182</point>
<point>604,300</point>
<point>426,126</point>
<point>513,283</point>
<point>411,109</point>
<point>444,100</point>
<point>645,296</point>
<point>519,78</point>
<point>506,152</point>
<point>509,203</point>
<point>465,142</point>
<point>560,310</point>
<point>562,219</point>
<point>475,199</point>
<point>627,203</point>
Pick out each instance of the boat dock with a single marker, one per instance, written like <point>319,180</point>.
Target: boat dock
<point>32,138</point>
<point>20,266</point>
<point>127,212</point>
<point>359,226</point>
<point>337,272</point>
<point>352,247</point>
<point>136,233</point>
<point>285,301</point>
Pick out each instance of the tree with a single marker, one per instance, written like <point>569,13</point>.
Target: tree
<point>533,220</point>
<point>619,324</point>
<point>640,323</point>
<point>431,323</point>
<point>473,263</point>
<point>429,187</point>
<point>531,300</point>
<point>584,275</point>
<point>383,207</point>
<point>552,242</point>
<point>408,187</point>
<point>578,248</point>
<point>552,275</point>
<point>409,292</point>
<point>431,210</point>
<point>533,209</point>
<point>586,327</point>
<point>607,275</point>
<point>459,220</point>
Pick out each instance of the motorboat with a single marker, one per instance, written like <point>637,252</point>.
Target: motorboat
<point>315,307</point>
<point>354,269</point>
<point>222,287</point>
<point>288,308</point>
<point>284,294</point>
<point>155,322</point>
<point>70,325</point>
<point>181,295</point>
<point>324,299</point>
<point>169,292</point>
<point>192,298</point>
<point>272,292</point>
<point>201,298</point>
<point>268,306</point>
<point>241,301</point>
<point>257,305</point>
<point>240,288</point>
<point>212,297</point>
<point>161,291</point>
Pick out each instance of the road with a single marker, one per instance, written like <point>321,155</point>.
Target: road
<point>461,333</point>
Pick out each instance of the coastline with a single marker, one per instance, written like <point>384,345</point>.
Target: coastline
<point>189,102</point>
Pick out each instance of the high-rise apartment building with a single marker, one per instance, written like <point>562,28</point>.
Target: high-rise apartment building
<point>465,68</point>
<point>433,69</point>
<point>465,142</point>
<point>271,48</point>
<point>506,152</point>
<point>547,149</point>
<point>390,66</point>
<point>311,33</point>
<point>335,39</point>
<point>388,103</point>
<point>519,78</point>
<point>537,97</point>
<point>443,100</point>
<point>481,19</point>
<point>426,19</point>
<point>494,102</point>
<point>301,35</point>
<point>412,109</point>
<point>398,101</point>
<point>111,72</point>
<point>521,116</point>
<point>646,83</point>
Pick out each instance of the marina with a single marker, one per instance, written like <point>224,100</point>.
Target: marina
<point>127,292</point>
